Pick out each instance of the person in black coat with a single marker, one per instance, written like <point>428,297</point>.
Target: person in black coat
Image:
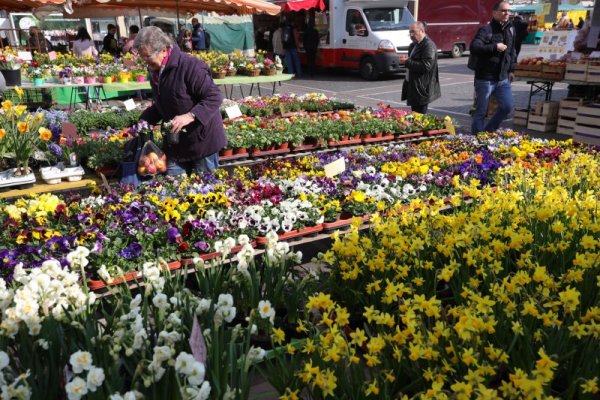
<point>311,40</point>
<point>422,84</point>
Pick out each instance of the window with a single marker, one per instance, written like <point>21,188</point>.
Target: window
<point>355,24</point>
<point>388,18</point>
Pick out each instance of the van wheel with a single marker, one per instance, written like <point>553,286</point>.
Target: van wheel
<point>457,50</point>
<point>368,69</point>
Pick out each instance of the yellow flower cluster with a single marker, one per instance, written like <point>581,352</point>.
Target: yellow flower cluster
<point>496,299</point>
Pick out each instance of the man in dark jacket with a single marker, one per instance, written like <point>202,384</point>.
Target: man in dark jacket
<point>494,48</point>
<point>110,44</point>
<point>311,40</point>
<point>185,95</point>
<point>198,35</point>
<point>422,84</point>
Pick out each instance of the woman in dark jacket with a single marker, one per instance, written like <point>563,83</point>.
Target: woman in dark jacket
<point>422,85</point>
<point>185,95</point>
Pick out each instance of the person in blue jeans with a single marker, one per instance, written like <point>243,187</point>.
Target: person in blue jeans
<point>494,49</point>
<point>292,59</point>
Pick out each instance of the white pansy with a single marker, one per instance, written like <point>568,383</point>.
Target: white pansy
<point>225,300</point>
<point>95,378</point>
<point>243,240</point>
<point>76,389</point>
<point>80,361</point>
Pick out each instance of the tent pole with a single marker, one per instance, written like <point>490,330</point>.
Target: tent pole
<point>140,15</point>
<point>178,27</point>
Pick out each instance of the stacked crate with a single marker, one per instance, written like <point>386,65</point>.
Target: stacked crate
<point>587,124</point>
<point>576,71</point>
<point>544,117</point>
<point>520,117</point>
<point>567,112</point>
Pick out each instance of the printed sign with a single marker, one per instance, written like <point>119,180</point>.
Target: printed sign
<point>129,104</point>
<point>25,55</point>
<point>335,168</point>
<point>233,112</point>
<point>52,55</point>
<point>555,44</point>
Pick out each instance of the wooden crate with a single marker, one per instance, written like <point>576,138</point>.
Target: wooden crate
<point>565,126</point>
<point>520,117</point>
<point>587,134</point>
<point>576,72</point>
<point>547,108</point>
<point>553,72</point>
<point>587,124</point>
<point>542,123</point>
<point>568,106</point>
<point>593,73</point>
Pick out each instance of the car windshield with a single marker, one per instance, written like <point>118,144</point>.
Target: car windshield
<point>388,18</point>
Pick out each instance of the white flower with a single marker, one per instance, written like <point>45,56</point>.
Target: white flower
<point>196,376</point>
<point>192,393</point>
<point>95,378</point>
<point>256,354</point>
<point>76,388</point>
<point>43,343</point>
<point>135,302</point>
<point>243,240</point>
<point>80,360</point>
<point>4,360</point>
<point>104,274</point>
<point>161,354</point>
<point>229,313</point>
<point>160,301</point>
<point>203,306</point>
<point>225,300</point>
<point>266,310</point>
<point>184,363</point>
<point>272,238</point>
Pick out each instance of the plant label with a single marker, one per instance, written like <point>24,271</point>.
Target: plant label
<point>449,125</point>
<point>129,104</point>
<point>233,112</point>
<point>52,55</point>
<point>197,343</point>
<point>25,55</point>
<point>335,168</point>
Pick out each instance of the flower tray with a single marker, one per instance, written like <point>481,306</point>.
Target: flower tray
<point>342,223</point>
<point>260,153</point>
<point>127,277</point>
<point>436,132</point>
<point>306,146</point>
<point>8,178</point>
<point>234,156</point>
<point>215,254</point>
<point>378,139</point>
<point>408,135</point>
<point>309,230</point>
<point>347,142</point>
<point>54,175</point>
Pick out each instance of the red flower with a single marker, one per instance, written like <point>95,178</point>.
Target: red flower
<point>183,247</point>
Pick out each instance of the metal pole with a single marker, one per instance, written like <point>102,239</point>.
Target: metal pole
<point>140,15</point>
<point>178,27</point>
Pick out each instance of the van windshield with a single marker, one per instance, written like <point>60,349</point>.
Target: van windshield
<point>388,18</point>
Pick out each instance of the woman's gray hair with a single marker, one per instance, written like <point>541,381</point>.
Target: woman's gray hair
<point>152,38</point>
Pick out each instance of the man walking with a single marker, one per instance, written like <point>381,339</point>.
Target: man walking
<point>422,84</point>
<point>198,35</point>
<point>493,58</point>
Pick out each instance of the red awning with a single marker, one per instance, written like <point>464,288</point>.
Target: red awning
<point>297,5</point>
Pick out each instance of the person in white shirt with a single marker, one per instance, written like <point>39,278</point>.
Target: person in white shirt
<point>83,45</point>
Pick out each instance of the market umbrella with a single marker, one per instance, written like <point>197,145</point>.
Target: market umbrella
<point>88,7</point>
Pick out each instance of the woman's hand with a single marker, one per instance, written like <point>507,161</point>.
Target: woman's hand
<point>181,121</point>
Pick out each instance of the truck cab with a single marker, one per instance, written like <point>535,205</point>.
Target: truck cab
<point>367,36</point>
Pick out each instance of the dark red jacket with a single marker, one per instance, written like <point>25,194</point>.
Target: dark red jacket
<point>186,85</point>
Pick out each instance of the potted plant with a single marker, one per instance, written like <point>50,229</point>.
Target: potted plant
<point>78,75</point>
<point>90,75</point>
<point>10,67</point>
<point>37,76</point>
<point>65,75</point>
<point>23,133</point>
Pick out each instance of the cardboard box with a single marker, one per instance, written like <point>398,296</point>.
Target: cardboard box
<point>520,117</point>
<point>568,106</point>
<point>576,72</point>
<point>565,126</point>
